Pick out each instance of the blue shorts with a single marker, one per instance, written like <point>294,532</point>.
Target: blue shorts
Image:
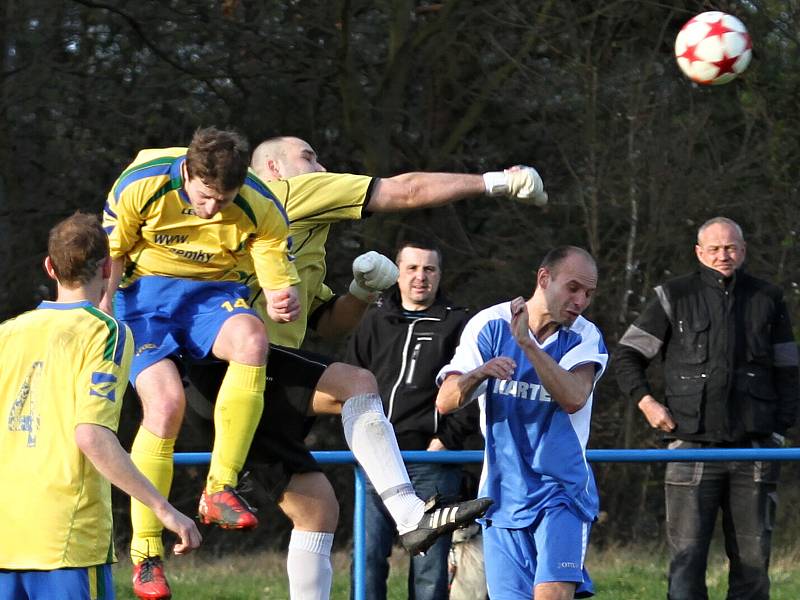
<point>170,316</point>
<point>552,549</point>
<point>80,583</point>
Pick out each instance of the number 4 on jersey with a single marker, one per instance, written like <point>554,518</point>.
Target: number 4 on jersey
<point>23,415</point>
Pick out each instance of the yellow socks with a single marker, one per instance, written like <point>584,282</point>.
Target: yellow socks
<point>240,403</point>
<point>153,457</point>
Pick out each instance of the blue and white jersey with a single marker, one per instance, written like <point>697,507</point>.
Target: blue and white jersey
<point>535,454</point>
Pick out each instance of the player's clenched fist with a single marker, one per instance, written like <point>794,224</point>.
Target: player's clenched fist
<point>520,182</point>
<point>372,273</point>
<point>283,306</point>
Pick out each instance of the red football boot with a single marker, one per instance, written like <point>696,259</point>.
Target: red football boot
<point>227,509</point>
<point>149,582</point>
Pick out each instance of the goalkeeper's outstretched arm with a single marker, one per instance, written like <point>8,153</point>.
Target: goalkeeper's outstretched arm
<point>418,190</point>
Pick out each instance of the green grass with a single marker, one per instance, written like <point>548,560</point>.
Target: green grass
<point>628,574</point>
<point>620,574</point>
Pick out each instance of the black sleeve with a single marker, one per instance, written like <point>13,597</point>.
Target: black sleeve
<point>457,427</point>
<point>358,351</point>
<point>365,212</point>
<point>642,341</point>
<point>314,317</point>
<point>785,372</point>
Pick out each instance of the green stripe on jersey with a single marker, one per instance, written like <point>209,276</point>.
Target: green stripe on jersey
<point>164,160</point>
<point>111,340</point>
<point>242,203</point>
<point>172,184</point>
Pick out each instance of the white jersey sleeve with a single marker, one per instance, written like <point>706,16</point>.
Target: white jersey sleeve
<point>475,346</point>
<point>591,349</point>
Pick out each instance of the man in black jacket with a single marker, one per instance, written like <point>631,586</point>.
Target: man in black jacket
<point>404,342</point>
<point>731,379</point>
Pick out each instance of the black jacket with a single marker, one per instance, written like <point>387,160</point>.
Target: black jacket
<point>730,359</point>
<point>405,352</point>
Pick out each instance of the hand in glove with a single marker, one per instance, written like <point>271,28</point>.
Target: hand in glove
<point>520,182</point>
<point>372,273</point>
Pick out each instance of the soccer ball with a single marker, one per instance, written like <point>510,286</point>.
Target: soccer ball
<point>713,48</point>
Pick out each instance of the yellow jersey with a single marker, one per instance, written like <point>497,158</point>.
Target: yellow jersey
<point>152,226</point>
<point>63,364</point>
<point>313,202</point>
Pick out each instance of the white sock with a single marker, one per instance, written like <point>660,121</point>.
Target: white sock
<point>371,439</point>
<point>309,565</point>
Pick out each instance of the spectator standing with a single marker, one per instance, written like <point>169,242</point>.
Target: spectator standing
<point>404,341</point>
<point>731,380</point>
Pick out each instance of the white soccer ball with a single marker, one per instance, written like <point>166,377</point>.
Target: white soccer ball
<point>713,48</point>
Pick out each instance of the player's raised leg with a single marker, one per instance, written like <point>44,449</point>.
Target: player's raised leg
<point>242,342</point>
<point>353,393</point>
<point>281,462</point>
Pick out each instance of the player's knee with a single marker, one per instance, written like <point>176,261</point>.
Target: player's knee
<point>323,512</point>
<point>163,415</point>
<point>311,503</point>
<point>243,340</point>
<point>324,517</point>
<point>160,397</point>
<point>360,381</point>
<point>251,346</point>
<point>316,517</point>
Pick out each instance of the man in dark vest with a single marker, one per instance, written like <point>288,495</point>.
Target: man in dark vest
<point>731,380</point>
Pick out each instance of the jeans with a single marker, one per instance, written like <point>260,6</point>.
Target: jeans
<point>746,493</point>
<point>427,575</point>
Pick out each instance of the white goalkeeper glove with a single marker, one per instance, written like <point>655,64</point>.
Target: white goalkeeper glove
<point>372,273</point>
<point>520,182</point>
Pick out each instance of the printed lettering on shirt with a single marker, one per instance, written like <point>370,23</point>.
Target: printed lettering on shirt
<point>230,307</point>
<point>521,389</point>
<point>171,239</point>
<point>193,255</point>
<point>145,347</point>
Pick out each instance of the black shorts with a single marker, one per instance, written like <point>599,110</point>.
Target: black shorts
<point>278,450</point>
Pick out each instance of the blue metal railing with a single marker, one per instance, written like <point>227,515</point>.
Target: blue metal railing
<point>476,456</point>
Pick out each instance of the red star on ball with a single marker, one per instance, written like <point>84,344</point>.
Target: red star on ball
<point>726,65</point>
<point>689,54</point>
<point>717,28</point>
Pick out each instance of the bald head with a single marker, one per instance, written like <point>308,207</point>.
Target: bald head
<point>565,284</point>
<point>555,257</point>
<point>283,157</point>
<point>720,245</point>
